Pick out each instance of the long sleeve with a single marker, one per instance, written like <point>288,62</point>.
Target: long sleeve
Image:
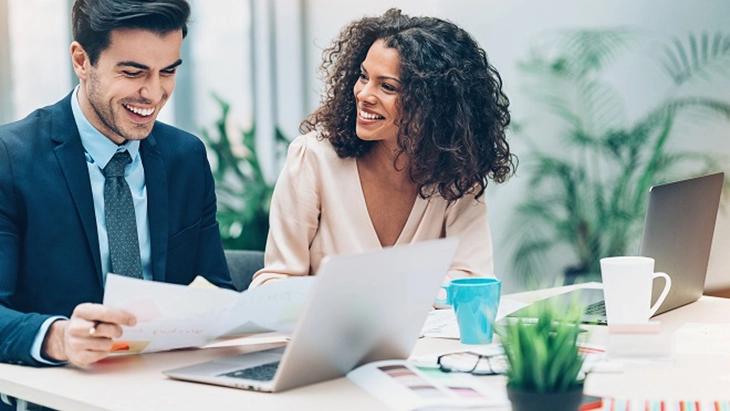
<point>17,330</point>
<point>466,218</point>
<point>211,261</point>
<point>294,217</point>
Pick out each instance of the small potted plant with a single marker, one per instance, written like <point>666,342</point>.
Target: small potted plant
<point>544,371</point>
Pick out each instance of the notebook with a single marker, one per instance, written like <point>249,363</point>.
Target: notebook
<point>363,308</point>
<point>678,231</point>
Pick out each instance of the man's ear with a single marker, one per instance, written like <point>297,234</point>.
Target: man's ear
<point>80,60</point>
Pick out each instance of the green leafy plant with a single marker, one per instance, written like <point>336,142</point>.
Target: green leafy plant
<point>588,195</point>
<point>543,354</point>
<point>244,195</point>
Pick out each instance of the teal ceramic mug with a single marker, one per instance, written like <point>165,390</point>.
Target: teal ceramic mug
<point>475,302</point>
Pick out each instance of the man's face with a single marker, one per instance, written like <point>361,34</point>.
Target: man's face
<point>122,94</point>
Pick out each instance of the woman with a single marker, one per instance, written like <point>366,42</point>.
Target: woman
<point>411,126</point>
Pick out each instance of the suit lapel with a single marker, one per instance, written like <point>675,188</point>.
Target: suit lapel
<point>157,204</point>
<point>70,155</point>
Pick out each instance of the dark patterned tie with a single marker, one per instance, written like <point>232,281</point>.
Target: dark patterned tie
<point>121,224</point>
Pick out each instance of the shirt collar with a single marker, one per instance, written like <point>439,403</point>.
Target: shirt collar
<point>97,145</point>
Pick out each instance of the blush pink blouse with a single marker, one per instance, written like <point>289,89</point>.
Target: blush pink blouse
<point>318,208</point>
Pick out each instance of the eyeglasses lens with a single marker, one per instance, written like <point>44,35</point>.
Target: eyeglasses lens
<point>473,363</point>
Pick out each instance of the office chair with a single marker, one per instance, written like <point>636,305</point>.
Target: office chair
<point>243,264</point>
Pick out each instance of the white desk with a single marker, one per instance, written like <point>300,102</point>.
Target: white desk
<point>687,376</point>
<point>136,382</point>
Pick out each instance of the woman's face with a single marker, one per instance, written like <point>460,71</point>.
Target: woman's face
<point>376,94</point>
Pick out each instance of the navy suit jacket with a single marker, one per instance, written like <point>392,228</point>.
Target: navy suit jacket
<point>49,246</point>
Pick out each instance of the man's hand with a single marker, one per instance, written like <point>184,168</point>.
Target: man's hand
<point>87,337</point>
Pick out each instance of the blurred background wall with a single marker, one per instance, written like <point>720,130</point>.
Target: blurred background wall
<point>260,58</point>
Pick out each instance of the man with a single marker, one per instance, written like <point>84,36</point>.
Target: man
<point>67,173</point>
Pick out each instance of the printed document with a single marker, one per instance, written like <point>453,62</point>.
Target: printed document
<point>171,316</point>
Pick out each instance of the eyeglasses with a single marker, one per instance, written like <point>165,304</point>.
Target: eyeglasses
<point>473,363</point>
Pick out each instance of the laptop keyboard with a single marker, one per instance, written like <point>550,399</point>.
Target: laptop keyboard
<point>597,308</point>
<point>264,372</point>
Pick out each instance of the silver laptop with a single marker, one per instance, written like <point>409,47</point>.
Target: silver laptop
<point>680,224</point>
<point>678,231</point>
<point>363,308</point>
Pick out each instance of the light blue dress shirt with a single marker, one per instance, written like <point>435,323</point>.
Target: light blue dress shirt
<point>99,150</point>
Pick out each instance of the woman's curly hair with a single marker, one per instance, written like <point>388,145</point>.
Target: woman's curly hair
<point>452,111</point>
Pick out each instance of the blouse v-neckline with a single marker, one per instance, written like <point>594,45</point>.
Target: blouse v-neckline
<point>417,206</point>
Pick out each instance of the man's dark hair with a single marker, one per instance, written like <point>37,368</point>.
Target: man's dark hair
<point>452,113</point>
<point>94,20</point>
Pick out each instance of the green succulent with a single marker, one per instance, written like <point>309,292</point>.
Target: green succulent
<point>542,350</point>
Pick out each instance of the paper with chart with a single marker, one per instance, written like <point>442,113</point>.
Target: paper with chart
<point>171,316</point>
<point>404,385</point>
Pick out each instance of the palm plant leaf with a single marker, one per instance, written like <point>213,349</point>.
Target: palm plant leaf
<point>594,50</point>
<point>531,252</point>
<point>550,93</point>
<point>591,195</point>
<point>601,106</point>
<point>567,86</point>
<point>696,56</point>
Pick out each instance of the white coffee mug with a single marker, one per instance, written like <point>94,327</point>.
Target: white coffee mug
<point>627,289</point>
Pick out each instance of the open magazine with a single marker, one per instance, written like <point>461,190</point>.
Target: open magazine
<point>419,384</point>
<point>171,316</point>
<point>407,385</point>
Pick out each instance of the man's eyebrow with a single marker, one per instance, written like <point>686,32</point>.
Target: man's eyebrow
<point>132,64</point>
<point>144,67</point>
<point>173,65</point>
